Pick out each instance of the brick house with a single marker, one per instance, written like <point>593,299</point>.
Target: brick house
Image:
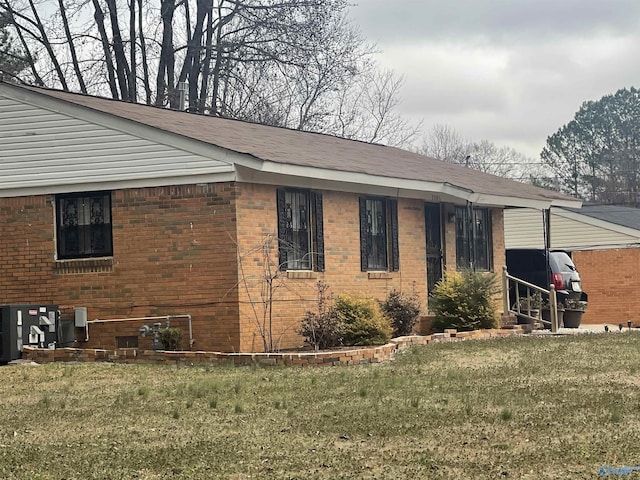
<point>135,211</point>
<point>604,241</point>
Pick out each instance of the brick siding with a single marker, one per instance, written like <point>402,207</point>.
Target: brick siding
<point>171,247</point>
<point>355,356</point>
<point>175,252</point>
<point>610,278</point>
<point>257,218</point>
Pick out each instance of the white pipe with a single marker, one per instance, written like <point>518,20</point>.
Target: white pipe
<point>132,319</point>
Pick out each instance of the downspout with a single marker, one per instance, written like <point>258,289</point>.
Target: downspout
<point>546,228</point>
<point>472,236</point>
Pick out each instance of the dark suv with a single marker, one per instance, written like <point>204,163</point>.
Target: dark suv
<point>531,266</point>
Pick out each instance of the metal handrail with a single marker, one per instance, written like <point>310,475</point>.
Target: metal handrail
<point>529,288</point>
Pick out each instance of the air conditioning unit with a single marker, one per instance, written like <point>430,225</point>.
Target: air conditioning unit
<point>34,325</point>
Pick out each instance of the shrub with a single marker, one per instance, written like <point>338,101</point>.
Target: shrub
<point>321,330</point>
<point>362,321</point>
<point>463,300</point>
<point>403,311</point>
<point>170,338</point>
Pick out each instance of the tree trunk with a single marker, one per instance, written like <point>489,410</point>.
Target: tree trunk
<point>164,79</point>
<point>122,67</point>
<point>206,64</point>
<point>191,66</point>
<point>143,54</point>
<point>72,48</point>
<point>99,18</point>
<point>132,51</point>
<point>47,46</point>
<point>222,21</point>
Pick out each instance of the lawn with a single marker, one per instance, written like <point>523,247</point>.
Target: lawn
<point>524,407</point>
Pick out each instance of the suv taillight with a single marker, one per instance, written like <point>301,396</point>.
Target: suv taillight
<point>558,281</point>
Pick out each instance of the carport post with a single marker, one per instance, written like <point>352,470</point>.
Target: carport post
<point>505,291</point>
<point>553,307</point>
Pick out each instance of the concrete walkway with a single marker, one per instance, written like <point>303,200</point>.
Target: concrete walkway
<point>587,328</point>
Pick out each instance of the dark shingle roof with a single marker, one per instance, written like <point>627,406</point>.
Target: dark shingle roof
<point>624,216</point>
<point>294,147</point>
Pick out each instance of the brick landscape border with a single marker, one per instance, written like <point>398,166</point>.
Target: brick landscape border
<point>355,356</point>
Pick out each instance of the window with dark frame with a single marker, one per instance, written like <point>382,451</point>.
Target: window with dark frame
<point>378,234</point>
<point>474,243</point>
<point>300,230</point>
<point>83,225</point>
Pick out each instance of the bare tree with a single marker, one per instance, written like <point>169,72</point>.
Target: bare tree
<point>503,161</point>
<point>445,143</point>
<point>366,111</point>
<point>72,48</point>
<point>283,62</point>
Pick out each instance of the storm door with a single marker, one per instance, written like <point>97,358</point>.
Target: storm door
<point>433,231</point>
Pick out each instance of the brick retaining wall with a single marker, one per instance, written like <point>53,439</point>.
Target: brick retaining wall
<point>355,356</point>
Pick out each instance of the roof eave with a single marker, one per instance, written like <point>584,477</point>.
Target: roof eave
<point>95,184</point>
<point>401,184</point>
<point>597,222</point>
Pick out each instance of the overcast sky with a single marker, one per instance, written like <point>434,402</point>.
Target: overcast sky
<point>509,71</point>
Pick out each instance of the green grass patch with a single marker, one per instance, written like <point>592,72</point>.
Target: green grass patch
<point>506,408</point>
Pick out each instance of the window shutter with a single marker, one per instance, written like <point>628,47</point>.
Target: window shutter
<point>363,234</point>
<point>282,219</point>
<point>395,251</point>
<point>316,199</point>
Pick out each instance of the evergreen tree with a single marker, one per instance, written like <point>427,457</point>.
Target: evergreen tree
<point>11,60</point>
<point>596,155</point>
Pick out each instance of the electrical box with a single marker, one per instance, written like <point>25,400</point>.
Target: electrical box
<point>34,325</point>
<point>80,317</point>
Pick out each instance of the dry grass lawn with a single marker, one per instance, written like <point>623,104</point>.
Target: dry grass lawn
<point>508,408</point>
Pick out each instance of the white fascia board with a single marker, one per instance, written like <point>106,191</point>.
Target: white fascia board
<point>498,200</point>
<point>566,203</point>
<point>120,124</point>
<point>596,222</point>
<point>273,173</point>
<point>247,175</point>
<point>365,179</point>
<point>97,184</point>
<point>453,193</point>
<point>487,199</point>
<point>589,248</point>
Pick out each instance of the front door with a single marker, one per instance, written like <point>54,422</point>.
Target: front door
<point>433,231</point>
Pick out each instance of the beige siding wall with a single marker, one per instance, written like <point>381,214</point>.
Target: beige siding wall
<point>523,229</point>
<point>39,147</point>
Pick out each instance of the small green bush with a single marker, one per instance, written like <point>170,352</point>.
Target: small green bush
<point>170,338</point>
<point>403,311</point>
<point>463,300</point>
<point>362,321</point>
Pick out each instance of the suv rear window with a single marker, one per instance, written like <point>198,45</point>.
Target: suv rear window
<point>561,262</point>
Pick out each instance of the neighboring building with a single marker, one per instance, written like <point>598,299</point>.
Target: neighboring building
<point>603,240</point>
<point>134,211</point>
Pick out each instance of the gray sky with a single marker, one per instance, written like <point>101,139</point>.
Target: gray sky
<point>509,71</point>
